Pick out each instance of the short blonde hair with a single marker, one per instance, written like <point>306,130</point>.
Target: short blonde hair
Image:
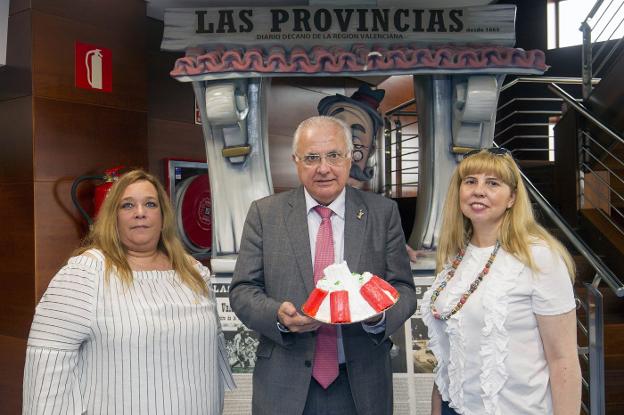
<point>104,235</point>
<point>518,230</point>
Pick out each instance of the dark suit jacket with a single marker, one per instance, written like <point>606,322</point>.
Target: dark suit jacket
<point>275,265</point>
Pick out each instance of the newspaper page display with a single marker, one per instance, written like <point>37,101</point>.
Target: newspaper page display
<point>412,361</point>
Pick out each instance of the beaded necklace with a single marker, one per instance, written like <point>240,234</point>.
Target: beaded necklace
<point>468,293</point>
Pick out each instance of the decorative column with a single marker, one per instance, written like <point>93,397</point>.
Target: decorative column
<point>234,122</point>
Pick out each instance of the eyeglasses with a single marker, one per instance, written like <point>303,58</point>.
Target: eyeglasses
<point>333,158</point>
<point>498,151</point>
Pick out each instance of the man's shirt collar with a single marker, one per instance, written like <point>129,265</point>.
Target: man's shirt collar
<point>337,206</point>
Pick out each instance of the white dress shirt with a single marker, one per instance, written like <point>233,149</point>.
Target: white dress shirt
<point>338,224</point>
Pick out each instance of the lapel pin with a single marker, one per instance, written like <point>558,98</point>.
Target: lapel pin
<point>359,214</point>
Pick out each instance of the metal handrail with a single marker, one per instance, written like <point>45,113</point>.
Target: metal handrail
<point>506,142</point>
<point>521,124</point>
<point>580,108</point>
<point>398,150</point>
<point>589,60</point>
<point>547,80</point>
<point>596,143</point>
<point>528,112</point>
<point>591,13</point>
<point>605,184</point>
<point>606,274</point>
<point>401,106</point>
<point>606,168</point>
<point>608,23</point>
<point>611,52</point>
<point>514,100</point>
<point>595,346</point>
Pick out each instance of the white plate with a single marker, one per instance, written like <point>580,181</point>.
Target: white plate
<point>359,308</point>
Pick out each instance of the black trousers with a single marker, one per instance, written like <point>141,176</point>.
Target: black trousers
<point>447,410</point>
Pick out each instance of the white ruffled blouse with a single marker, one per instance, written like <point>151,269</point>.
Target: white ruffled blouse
<point>490,356</point>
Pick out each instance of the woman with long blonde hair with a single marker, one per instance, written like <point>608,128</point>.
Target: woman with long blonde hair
<point>130,324</point>
<point>501,312</point>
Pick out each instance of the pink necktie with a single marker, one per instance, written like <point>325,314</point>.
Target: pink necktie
<point>325,369</point>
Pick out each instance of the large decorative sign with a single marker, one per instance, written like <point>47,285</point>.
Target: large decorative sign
<point>93,67</point>
<point>308,26</point>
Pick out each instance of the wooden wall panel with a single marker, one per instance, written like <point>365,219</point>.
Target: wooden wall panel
<point>12,356</point>
<point>58,230</point>
<point>17,258</point>
<point>70,140</point>
<point>16,6</point>
<point>172,132</point>
<point>73,139</point>
<point>125,14</point>
<point>607,98</point>
<point>171,139</point>
<point>15,76</point>
<point>168,98</point>
<point>53,58</point>
<point>399,89</point>
<point>16,140</point>
<point>49,139</point>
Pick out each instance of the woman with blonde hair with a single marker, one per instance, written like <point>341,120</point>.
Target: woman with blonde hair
<point>501,312</point>
<point>129,324</point>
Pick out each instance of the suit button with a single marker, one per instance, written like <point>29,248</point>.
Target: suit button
<point>307,363</point>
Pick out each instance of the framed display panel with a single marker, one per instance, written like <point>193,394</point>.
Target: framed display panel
<point>189,189</point>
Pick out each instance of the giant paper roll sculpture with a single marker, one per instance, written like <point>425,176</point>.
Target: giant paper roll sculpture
<point>474,105</point>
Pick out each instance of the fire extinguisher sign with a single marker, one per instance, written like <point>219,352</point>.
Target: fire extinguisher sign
<point>94,67</point>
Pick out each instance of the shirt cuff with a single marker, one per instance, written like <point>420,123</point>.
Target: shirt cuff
<point>378,327</point>
<point>282,328</point>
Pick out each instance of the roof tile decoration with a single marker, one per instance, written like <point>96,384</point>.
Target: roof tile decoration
<point>360,59</point>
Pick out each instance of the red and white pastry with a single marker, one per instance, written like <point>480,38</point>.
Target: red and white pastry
<point>342,297</point>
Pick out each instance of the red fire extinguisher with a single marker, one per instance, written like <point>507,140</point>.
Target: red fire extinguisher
<point>109,177</point>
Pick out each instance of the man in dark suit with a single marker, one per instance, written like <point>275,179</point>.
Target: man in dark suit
<point>274,276</point>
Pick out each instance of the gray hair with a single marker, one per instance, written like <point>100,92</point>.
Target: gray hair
<point>318,121</point>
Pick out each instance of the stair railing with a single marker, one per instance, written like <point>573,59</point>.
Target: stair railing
<point>596,59</point>
<point>594,149</point>
<point>593,326</point>
<point>401,151</point>
<point>598,170</point>
<point>523,123</point>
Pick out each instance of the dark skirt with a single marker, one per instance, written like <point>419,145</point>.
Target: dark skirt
<point>447,410</point>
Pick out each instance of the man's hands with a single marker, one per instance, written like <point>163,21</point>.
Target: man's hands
<point>288,315</point>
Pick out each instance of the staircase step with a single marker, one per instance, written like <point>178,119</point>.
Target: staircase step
<point>602,236</point>
<point>614,385</point>
<point>584,271</point>
<point>614,409</point>
<point>614,339</point>
<point>540,173</point>
<point>614,362</point>
<point>605,227</point>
